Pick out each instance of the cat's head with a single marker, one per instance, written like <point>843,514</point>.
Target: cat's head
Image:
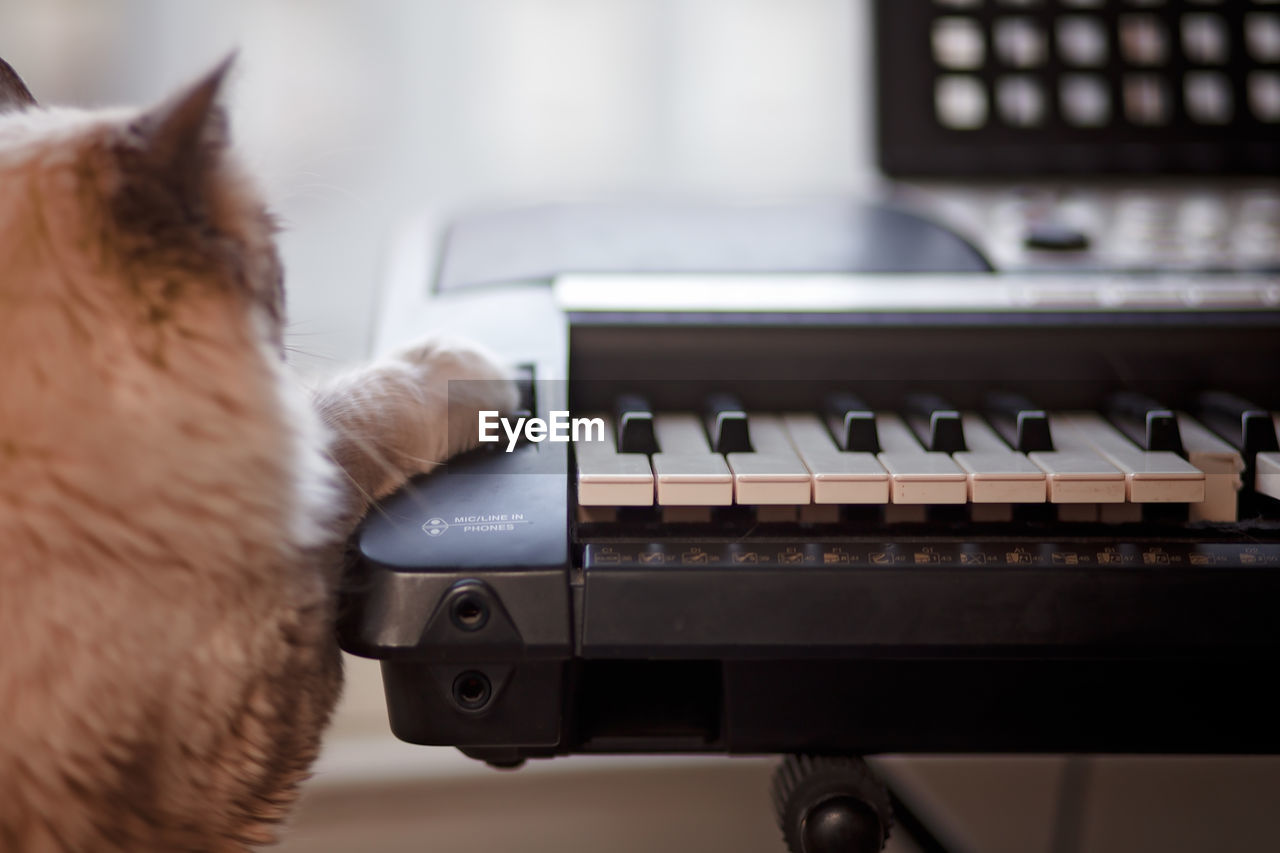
<point>144,215</point>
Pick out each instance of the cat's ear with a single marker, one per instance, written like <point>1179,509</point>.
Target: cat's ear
<point>14,94</point>
<point>181,137</point>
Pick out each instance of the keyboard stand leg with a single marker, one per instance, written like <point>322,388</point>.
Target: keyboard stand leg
<point>836,804</point>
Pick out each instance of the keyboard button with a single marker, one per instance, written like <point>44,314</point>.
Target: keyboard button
<point>958,43</point>
<point>1262,35</point>
<point>936,422</point>
<point>839,477</point>
<point>1052,236</point>
<point>727,424</point>
<point>1267,479</point>
<point>1021,100</point>
<point>1082,40</point>
<point>1079,476</point>
<point>1143,39</point>
<point>1019,42</point>
<point>634,419</point>
<point>1204,38</point>
<point>1147,423</point>
<point>1208,97</point>
<point>773,472</point>
<point>997,473</point>
<point>1022,425</point>
<point>686,472</point>
<point>1086,100</point>
<point>609,478</point>
<point>1247,427</point>
<point>1223,467</point>
<point>852,423</point>
<point>1150,477</point>
<point>960,102</point>
<point>917,476</point>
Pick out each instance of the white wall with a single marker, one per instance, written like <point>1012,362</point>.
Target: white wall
<point>359,113</point>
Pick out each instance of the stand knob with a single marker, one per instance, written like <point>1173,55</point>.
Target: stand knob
<point>830,804</point>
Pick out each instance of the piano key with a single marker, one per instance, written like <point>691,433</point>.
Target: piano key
<point>1079,476</point>
<point>1267,477</point>
<point>1243,424</point>
<point>1150,476</point>
<point>852,423</point>
<point>1023,425</point>
<point>727,424</point>
<point>772,473</point>
<point>1223,467</point>
<point>634,418</point>
<point>838,477</point>
<point>936,422</point>
<point>609,478</point>
<point>1148,424</point>
<point>686,472</point>
<point>917,476</point>
<point>1267,474</point>
<point>1249,427</point>
<point>997,474</point>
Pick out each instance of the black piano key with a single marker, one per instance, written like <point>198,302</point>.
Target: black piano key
<point>726,423</point>
<point>1019,421</point>
<point>1146,422</point>
<point>1240,422</point>
<point>1247,426</point>
<point>937,423</point>
<point>633,419</point>
<point>852,423</point>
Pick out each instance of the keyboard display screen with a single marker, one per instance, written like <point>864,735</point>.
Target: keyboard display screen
<point>1078,86</point>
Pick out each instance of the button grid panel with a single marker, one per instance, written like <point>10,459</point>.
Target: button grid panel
<point>1043,86</point>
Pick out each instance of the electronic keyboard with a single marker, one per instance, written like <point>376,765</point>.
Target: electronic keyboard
<point>889,502</point>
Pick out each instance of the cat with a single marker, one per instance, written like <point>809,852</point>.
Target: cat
<point>173,506</point>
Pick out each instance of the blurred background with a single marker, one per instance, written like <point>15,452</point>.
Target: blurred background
<point>358,115</point>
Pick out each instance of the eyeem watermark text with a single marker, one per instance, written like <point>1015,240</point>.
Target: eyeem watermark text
<point>560,427</point>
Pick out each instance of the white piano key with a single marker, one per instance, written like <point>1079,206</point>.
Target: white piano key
<point>1266,480</point>
<point>839,477</point>
<point>917,476</point>
<point>1079,476</point>
<point>997,474</point>
<point>1159,477</point>
<point>772,473</point>
<point>1222,465</point>
<point>609,478</point>
<point>685,470</point>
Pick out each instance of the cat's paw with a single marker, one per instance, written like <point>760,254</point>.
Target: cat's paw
<point>471,376</point>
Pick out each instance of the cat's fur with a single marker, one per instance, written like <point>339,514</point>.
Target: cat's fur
<point>171,514</point>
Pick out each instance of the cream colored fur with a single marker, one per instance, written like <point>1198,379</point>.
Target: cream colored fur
<point>172,505</point>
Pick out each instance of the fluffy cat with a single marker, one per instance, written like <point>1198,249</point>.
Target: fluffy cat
<point>172,506</point>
